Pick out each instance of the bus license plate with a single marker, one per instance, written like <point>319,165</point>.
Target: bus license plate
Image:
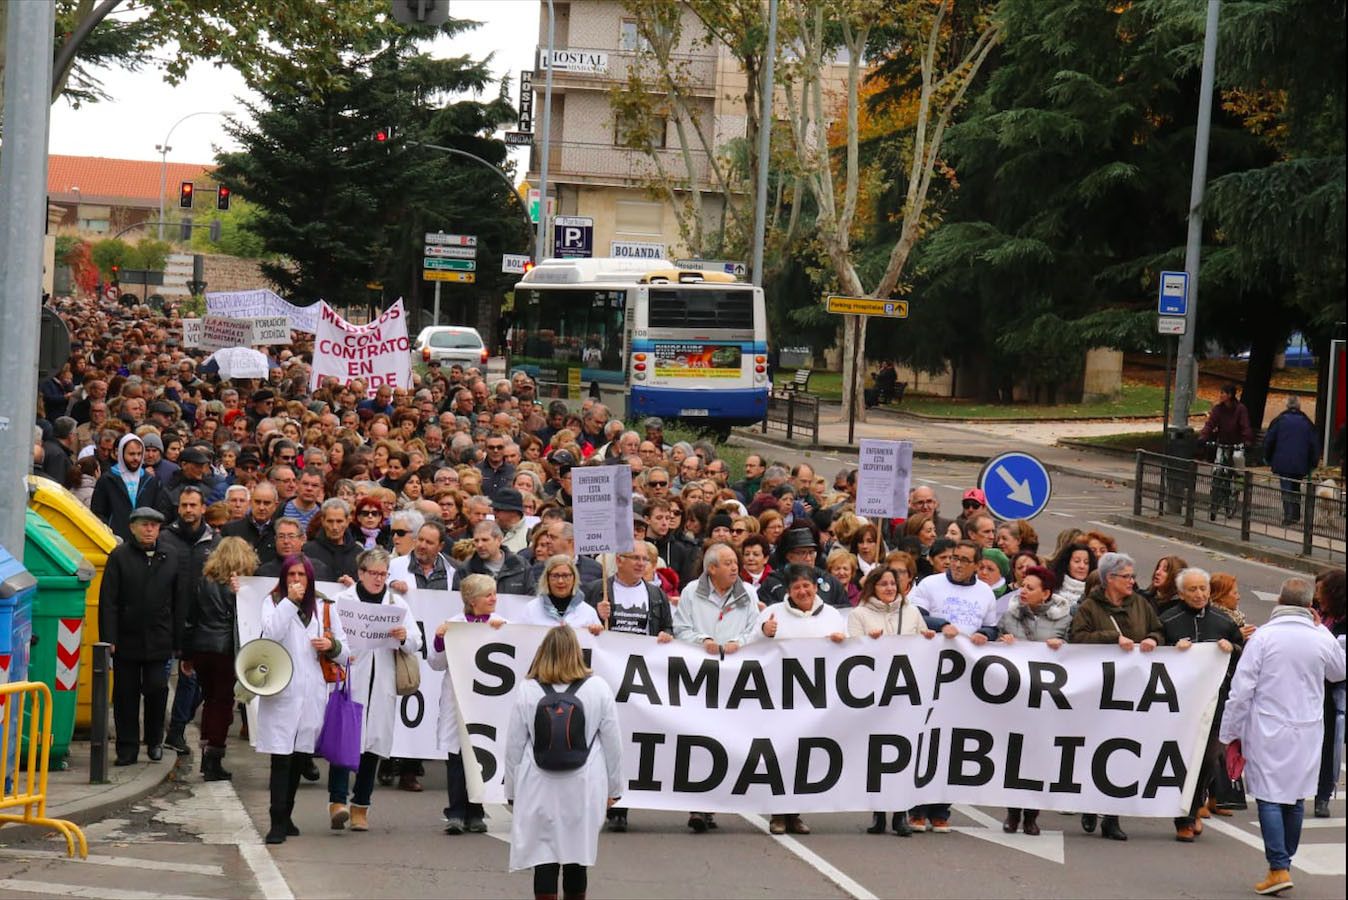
<point>692,412</point>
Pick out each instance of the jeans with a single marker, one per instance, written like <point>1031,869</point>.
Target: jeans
<point>186,699</point>
<point>338,779</point>
<point>1331,748</point>
<point>459,807</point>
<point>134,679</point>
<point>1281,825</point>
<point>1291,499</point>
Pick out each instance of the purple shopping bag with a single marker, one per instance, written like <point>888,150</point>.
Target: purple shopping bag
<point>339,738</point>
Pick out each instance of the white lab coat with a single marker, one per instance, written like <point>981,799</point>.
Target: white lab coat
<point>1276,705</point>
<point>821,621</point>
<point>558,815</point>
<point>372,682</point>
<point>447,723</point>
<point>289,722</point>
<point>540,611</point>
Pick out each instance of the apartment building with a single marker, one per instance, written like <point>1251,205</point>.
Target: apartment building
<point>590,172</point>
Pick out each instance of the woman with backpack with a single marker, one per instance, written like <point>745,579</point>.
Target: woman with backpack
<point>563,766</point>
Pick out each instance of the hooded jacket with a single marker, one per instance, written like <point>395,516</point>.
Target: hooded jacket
<point>112,501</point>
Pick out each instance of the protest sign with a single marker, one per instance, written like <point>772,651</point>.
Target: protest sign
<point>884,472</point>
<point>368,626</point>
<point>261,303</point>
<point>218,332</point>
<point>808,725</point>
<point>601,503</point>
<point>270,330</point>
<point>379,352</point>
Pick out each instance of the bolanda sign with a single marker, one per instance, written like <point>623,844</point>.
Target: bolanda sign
<point>636,250</point>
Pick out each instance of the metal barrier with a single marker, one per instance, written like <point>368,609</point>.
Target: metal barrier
<point>793,412</point>
<point>24,787</point>
<point>1252,503</point>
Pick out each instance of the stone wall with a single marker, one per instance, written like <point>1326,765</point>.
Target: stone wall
<point>230,273</point>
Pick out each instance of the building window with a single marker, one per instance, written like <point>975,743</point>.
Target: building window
<point>639,217</point>
<point>97,226</point>
<point>650,132</point>
<point>631,39</point>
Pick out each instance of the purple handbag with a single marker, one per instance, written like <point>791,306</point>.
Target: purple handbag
<point>339,738</point>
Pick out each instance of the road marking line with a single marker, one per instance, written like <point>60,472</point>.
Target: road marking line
<point>1318,866</point>
<point>234,818</point>
<point>121,862</point>
<point>812,859</point>
<point>1313,823</point>
<point>499,819</point>
<point>84,890</point>
<point>1205,549</point>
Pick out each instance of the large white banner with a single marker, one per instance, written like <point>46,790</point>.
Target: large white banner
<point>378,352</point>
<point>811,726</point>
<point>261,303</point>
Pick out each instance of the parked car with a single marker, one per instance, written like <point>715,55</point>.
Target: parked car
<point>451,344</point>
<point>1297,354</point>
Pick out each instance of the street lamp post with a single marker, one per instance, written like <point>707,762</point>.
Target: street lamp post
<point>164,149</point>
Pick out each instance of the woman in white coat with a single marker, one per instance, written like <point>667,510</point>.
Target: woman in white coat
<point>372,686</point>
<point>560,599</point>
<point>803,614</point>
<point>288,722</point>
<point>479,605</point>
<point>558,815</point>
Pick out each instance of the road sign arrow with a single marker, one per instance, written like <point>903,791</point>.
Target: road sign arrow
<point>1020,490</point>
<point>1047,845</point>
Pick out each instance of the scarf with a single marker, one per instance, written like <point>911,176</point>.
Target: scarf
<point>561,604</point>
<point>476,618</point>
<point>370,536</point>
<point>366,596</point>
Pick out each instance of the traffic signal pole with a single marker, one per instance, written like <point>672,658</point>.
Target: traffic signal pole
<point>544,159</point>
<point>23,220</point>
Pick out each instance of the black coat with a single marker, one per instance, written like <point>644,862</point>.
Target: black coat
<point>210,620</point>
<point>140,606</point>
<point>339,559</point>
<point>192,553</point>
<point>1291,445</point>
<point>264,545</point>
<point>514,577</point>
<point>681,556</point>
<point>659,618</point>
<point>111,503</point>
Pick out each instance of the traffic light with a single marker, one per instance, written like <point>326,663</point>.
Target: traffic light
<point>222,197</point>
<point>185,195</point>
<point>528,266</point>
<point>383,134</point>
<point>116,271</point>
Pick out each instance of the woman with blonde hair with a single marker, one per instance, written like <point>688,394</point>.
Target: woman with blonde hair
<point>560,600</point>
<point>209,644</point>
<point>479,606</point>
<point>558,814</point>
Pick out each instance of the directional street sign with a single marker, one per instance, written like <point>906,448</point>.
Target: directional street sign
<point>866,306</point>
<point>450,250</point>
<point>452,265</point>
<point>1174,297</point>
<point>1017,486</point>
<point>460,277</point>
<point>738,268</point>
<point>462,240</point>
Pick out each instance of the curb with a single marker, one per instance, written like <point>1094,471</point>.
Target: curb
<point>1236,548</point>
<point>1070,444</point>
<point>939,455</point>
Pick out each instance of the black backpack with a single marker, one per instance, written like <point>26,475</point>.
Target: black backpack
<point>559,729</point>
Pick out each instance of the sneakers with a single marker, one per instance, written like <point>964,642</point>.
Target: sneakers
<point>454,826</point>
<point>617,822</point>
<point>940,826</point>
<point>1322,809</point>
<point>1278,880</point>
<point>918,824</point>
<point>476,826</point>
<point>178,742</point>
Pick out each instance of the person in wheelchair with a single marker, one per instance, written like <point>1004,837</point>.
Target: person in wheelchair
<point>886,381</point>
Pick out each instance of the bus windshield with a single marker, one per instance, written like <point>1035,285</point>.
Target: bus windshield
<point>570,326</point>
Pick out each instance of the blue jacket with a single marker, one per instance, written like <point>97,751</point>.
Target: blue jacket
<point>1291,446</point>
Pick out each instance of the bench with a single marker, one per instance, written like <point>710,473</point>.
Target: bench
<point>800,381</point>
<point>876,396</point>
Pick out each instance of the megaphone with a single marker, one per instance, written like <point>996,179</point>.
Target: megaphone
<point>263,667</point>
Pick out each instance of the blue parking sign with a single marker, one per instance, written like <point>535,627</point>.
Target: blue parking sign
<point>1017,486</point>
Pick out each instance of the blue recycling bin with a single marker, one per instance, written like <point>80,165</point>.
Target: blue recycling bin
<point>18,587</point>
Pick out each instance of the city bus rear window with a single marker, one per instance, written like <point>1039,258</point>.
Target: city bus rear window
<point>686,308</point>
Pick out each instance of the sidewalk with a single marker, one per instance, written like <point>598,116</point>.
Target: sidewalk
<point>965,442</point>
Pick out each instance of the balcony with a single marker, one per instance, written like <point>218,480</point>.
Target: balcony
<point>595,163</point>
<point>698,69</point>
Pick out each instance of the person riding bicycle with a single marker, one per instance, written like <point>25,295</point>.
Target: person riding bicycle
<point>1228,422</point>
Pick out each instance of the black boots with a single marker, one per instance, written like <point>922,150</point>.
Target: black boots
<point>1011,824</point>
<point>1109,828</point>
<point>877,824</point>
<point>178,742</point>
<point>899,824</point>
<point>212,765</point>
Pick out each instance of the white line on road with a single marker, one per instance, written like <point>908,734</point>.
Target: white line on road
<point>121,862</point>
<point>812,859</point>
<point>1160,537</point>
<point>1313,823</point>
<point>98,892</point>
<point>238,827</point>
<point>1319,862</point>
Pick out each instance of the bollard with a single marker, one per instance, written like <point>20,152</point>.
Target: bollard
<point>1308,517</point>
<point>98,728</point>
<point>1246,490</point>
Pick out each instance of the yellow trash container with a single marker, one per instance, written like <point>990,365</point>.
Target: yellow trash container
<point>94,541</point>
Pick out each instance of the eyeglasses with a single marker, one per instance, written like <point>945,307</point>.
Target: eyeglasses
<point>400,532</point>
<point>657,484</point>
<point>963,560</point>
<point>972,504</point>
<point>562,574</point>
<point>1128,577</point>
<point>739,531</point>
<point>369,512</point>
<point>375,573</point>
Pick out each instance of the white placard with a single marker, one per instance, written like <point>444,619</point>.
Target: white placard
<point>453,240</point>
<point>368,626</point>
<point>262,303</point>
<point>514,262</point>
<point>271,330</point>
<point>565,60</point>
<point>807,725</point>
<point>191,333</point>
<point>219,332</point>
<point>1170,324</point>
<point>636,250</point>
<point>884,472</point>
<point>601,505</point>
<point>378,352</point>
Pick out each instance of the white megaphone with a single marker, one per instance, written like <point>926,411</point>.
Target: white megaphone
<point>263,667</point>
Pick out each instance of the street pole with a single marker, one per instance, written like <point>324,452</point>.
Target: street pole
<point>856,386</point>
<point>764,145</point>
<point>435,315</point>
<point>23,220</point>
<point>1185,370</point>
<point>164,149</point>
<point>547,136</point>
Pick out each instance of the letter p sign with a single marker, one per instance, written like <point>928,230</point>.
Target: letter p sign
<point>573,236</point>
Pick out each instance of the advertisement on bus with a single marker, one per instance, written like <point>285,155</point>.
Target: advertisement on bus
<point>697,359</point>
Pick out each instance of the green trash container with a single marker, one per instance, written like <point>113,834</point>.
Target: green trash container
<point>63,577</point>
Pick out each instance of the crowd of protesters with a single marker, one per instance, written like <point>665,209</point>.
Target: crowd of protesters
<point>459,481</point>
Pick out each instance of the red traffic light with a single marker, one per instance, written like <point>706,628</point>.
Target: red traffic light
<point>528,266</point>
<point>222,197</point>
<point>185,195</point>
<point>384,134</point>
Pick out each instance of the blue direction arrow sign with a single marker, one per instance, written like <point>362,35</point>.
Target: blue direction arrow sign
<point>1017,486</point>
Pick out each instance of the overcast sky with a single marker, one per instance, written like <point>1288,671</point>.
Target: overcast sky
<point>144,107</point>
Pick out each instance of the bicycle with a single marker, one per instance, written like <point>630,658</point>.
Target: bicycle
<point>1228,462</point>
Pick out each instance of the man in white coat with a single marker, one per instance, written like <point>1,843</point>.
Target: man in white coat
<point>1275,712</point>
